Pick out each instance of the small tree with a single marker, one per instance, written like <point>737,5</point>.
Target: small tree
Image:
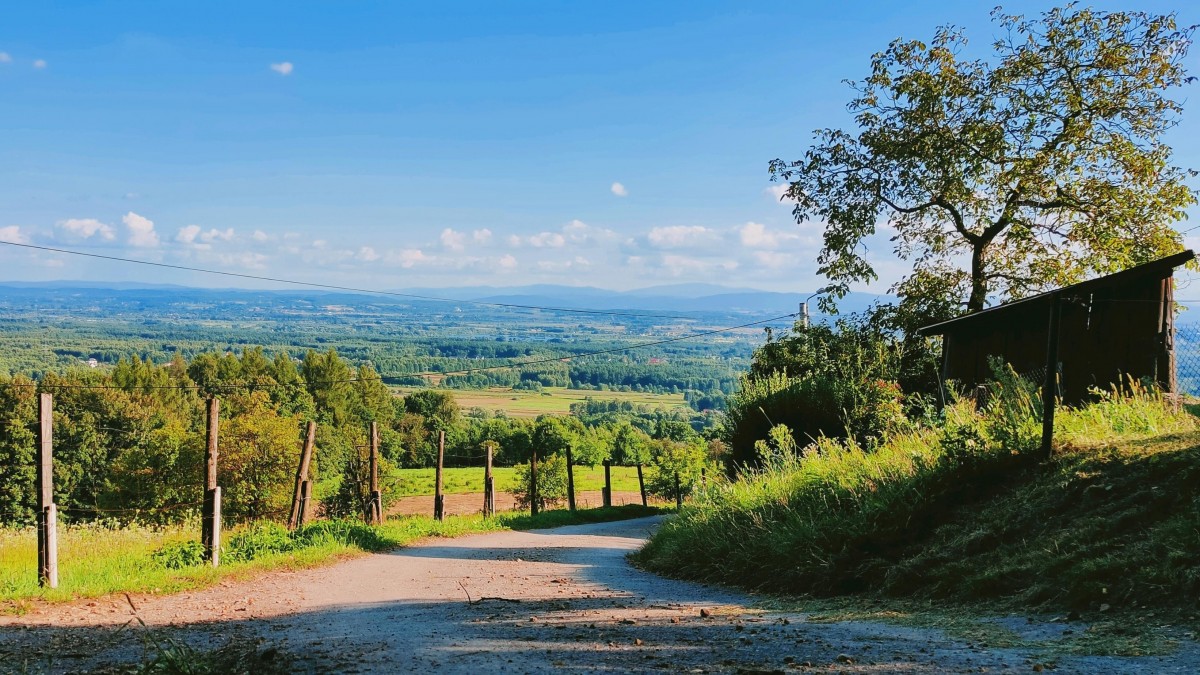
<point>669,459</point>
<point>551,482</point>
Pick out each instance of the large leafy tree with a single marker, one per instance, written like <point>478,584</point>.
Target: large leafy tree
<point>998,178</point>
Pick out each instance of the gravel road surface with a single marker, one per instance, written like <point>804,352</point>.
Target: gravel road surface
<point>515,602</point>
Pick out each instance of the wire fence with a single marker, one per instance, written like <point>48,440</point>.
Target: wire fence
<point>1187,358</point>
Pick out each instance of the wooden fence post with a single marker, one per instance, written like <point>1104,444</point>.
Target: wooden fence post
<point>606,493</point>
<point>642,485</point>
<point>533,494</point>
<point>678,493</point>
<point>489,484</point>
<point>47,515</point>
<point>296,519</point>
<point>1050,383</point>
<point>439,501</point>
<point>210,533</point>
<point>570,480</point>
<point>375,514</point>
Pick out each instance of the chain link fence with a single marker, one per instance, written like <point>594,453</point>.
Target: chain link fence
<point>1187,358</point>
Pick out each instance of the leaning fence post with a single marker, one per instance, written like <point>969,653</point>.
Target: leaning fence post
<point>296,519</point>
<point>489,485</point>
<point>642,485</point>
<point>533,494</point>
<point>439,501</point>
<point>607,492</point>
<point>678,493</point>
<point>47,514</point>
<point>570,480</point>
<point>210,533</point>
<point>375,512</point>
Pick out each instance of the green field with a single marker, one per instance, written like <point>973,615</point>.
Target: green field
<point>419,482</point>
<point>552,400</point>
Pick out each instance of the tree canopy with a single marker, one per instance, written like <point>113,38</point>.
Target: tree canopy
<point>999,178</point>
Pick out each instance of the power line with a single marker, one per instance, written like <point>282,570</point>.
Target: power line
<point>466,371</point>
<point>313,284</point>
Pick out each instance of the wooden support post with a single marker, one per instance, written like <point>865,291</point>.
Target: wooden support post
<point>570,480</point>
<point>607,492</point>
<point>489,485</point>
<point>296,519</point>
<point>703,478</point>
<point>678,493</point>
<point>305,495</point>
<point>215,554</point>
<point>439,501</point>
<point>47,514</point>
<point>533,494</point>
<point>642,485</point>
<point>375,511</point>
<point>1050,384</point>
<point>210,529</point>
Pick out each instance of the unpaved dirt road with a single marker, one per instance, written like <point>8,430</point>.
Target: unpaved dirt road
<point>542,601</point>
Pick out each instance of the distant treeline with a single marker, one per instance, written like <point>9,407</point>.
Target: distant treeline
<point>129,440</point>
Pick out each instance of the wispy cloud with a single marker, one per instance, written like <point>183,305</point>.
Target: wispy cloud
<point>283,68</point>
<point>39,64</point>
<point>677,236</point>
<point>5,57</point>
<point>13,233</point>
<point>453,240</point>
<point>86,228</point>
<point>619,190</point>
<point>141,230</point>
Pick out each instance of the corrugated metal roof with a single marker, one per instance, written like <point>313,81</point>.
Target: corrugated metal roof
<point>1156,266</point>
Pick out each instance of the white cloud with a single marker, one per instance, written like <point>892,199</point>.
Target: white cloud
<point>482,236</point>
<point>756,235</point>
<point>39,64</point>
<point>319,243</point>
<point>259,236</point>
<point>188,234</point>
<point>406,258</point>
<point>508,262</point>
<point>675,236</point>
<point>453,240</point>
<point>5,57</point>
<point>283,67</point>
<point>217,235</point>
<point>141,230</point>
<point>86,228</point>
<point>619,190</point>
<point>547,240</point>
<point>367,254</point>
<point>13,234</point>
<point>514,241</point>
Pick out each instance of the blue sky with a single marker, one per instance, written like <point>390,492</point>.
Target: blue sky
<point>391,145</point>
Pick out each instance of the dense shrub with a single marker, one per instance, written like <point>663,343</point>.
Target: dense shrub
<point>551,482</point>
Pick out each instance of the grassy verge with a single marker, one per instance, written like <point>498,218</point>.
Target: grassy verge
<point>968,515</point>
<point>97,561</point>
<point>459,480</point>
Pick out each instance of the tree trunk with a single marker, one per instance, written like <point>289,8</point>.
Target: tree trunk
<point>978,283</point>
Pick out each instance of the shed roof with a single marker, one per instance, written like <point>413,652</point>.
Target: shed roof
<point>1145,269</point>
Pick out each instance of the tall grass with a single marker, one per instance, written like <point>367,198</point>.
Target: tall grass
<point>834,519</point>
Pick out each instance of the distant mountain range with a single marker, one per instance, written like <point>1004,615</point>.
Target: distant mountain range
<point>689,298</point>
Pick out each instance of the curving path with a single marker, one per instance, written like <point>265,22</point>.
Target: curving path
<point>543,601</point>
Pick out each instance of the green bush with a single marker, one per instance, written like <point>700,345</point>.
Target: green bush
<point>551,482</point>
<point>178,555</point>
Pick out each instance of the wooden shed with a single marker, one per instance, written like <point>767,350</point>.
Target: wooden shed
<point>1117,326</point>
